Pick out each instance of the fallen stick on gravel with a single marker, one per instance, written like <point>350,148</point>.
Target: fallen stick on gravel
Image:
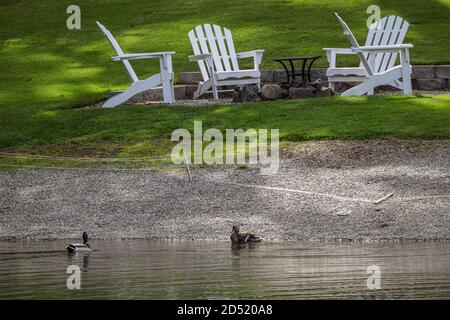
<point>384,198</point>
<point>316,193</point>
<point>231,183</point>
<point>186,162</point>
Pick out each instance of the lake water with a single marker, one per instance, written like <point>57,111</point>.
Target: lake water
<point>217,270</point>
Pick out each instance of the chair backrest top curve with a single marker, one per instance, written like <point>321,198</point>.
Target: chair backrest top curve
<point>217,41</point>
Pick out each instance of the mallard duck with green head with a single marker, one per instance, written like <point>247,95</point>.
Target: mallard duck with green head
<point>78,247</point>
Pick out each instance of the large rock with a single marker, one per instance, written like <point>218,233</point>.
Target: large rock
<point>272,92</point>
<point>245,94</point>
<point>324,92</point>
<point>321,90</point>
<point>317,84</point>
<point>300,93</point>
<point>297,83</point>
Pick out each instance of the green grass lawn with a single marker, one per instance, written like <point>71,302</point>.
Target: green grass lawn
<point>144,130</point>
<point>48,70</point>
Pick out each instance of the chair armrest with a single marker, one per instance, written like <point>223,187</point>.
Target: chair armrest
<point>255,54</point>
<point>332,52</point>
<point>339,50</point>
<point>249,54</point>
<point>137,56</point>
<point>385,48</point>
<point>198,57</point>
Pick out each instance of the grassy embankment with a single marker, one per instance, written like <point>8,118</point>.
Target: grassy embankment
<point>48,71</point>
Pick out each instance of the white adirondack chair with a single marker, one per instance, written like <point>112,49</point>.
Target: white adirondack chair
<point>378,58</point>
<point>165,77</point>
<point>218,61</point>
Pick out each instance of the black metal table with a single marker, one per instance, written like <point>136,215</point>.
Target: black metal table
<point>292,72</point>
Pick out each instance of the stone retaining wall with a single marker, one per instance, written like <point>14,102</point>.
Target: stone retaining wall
<point>426,78</point>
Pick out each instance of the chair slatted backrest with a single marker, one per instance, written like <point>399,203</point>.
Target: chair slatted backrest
<point>219,43</point>
<point>387,31</point>
<point>119,52</point>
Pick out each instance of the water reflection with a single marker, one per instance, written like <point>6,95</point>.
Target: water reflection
<point>211,270</point>
<point>79,258</point>
<point>238,249</point>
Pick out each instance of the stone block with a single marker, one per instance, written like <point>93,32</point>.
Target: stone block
<point>300,93</point>
<point>318,74</point>
<point>430,84</point>
<point>190,77</point>
<point>267,76</point>
<point>443,72</point>
<point>279,76</point>
<point>423,72</point>
<point>272,92</point>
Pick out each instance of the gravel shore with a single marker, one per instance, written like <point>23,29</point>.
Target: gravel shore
<point>59,204</point>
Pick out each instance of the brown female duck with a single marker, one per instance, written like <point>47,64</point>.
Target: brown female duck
<point>237,237</point>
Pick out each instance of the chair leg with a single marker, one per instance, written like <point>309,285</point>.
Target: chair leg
<point>215,92</point>
<point>118,99</point>
<point>214,86</point>
<point>167,79</point>
<point>168,90</point>
<point>133,90</point>
<point>374,81</point>
<point>406,71</point>
<point>407,88</point>
<point>201,89</point>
